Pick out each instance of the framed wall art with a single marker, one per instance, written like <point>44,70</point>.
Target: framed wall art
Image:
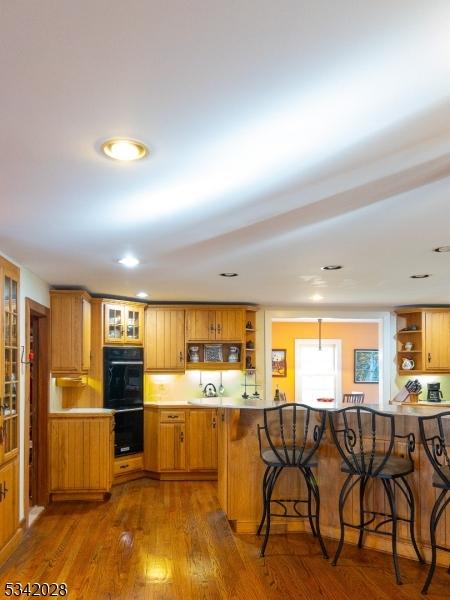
<point>279,362</point>
<point>366,368</point>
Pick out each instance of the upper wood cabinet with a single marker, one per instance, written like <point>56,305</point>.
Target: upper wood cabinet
<point>123,323</point>
<point>423,338</point>
<point>164,340</point>
<point>219,325</point>
<point>70,332</point>
<point>437,341</point>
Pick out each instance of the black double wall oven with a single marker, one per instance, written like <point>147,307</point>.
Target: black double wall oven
<point>124,392</point>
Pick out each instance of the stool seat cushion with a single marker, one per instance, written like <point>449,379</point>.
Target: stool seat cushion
<point>438,481</point>
<point>271,459</point>
<point>395,466</point>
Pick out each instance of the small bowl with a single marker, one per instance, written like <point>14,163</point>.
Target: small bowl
<point>325,399</point>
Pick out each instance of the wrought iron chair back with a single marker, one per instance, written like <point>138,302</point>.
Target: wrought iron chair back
<point>435,435</point>
<point>357,441</point>
<point>293,432</point>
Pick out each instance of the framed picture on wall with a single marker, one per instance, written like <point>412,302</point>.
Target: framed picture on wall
<point>366,368</point>
<point>279,363</point>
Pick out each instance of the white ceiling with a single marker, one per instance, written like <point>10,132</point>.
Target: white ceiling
<point>284,136</point>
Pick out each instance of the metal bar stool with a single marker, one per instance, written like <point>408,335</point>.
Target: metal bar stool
<point>356,442</point>
<point>436,442</point>
<point>292,434</point>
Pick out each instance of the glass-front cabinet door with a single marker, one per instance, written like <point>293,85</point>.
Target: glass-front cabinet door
<point>123,323</point>
<point>9,419</point>
<point>114,324</point>
<point>134,324</point>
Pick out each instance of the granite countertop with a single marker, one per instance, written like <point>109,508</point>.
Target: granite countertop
<point>260,404</point>
<point>83,411</point>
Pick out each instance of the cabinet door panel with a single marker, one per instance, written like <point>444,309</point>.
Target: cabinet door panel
<point>9,506</point>
<point>202,439</point>
<point>164,340</point>
<point>134,324</point>
<point>86,334</point>
<point>114,324</point>
<point>201,325</point>
<point>229,325</point>
<point>172,448</point>
<point>437,341</point>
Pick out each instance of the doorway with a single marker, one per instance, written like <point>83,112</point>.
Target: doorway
<point>36,360</point>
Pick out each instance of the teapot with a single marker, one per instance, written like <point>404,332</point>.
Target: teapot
<point>408,364</point>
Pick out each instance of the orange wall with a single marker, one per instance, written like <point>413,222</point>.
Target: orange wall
<point>352,335</point>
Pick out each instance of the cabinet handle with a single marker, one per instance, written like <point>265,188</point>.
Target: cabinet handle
<point>223,417</point>
<point>212,328</point>
<point>429,357</point>
<point>219,328</point>
<point>124,466</point>
<point>181,436</point>
<point>181,357</point>
<point>172,416</point>
<point>214,423</point>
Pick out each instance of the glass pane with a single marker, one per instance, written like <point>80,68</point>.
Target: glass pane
<point>133,324</point>
<point>13,330</point>
<point>7,292</point>
<point>14,296</point>
<point>7,329</point>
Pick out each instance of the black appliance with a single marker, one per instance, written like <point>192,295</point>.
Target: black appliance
<point>434,393</point>
<point>124,392</point>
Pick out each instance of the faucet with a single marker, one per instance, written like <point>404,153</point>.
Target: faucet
<point>209,391</point>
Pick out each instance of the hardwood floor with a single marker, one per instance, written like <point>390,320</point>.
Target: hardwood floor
<point>169,540</point>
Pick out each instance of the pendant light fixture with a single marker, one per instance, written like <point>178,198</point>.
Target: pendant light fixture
<point>319,321</point>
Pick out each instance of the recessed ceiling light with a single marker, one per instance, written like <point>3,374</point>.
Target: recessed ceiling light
<point>421,276</point>
<point>124,149</point>
<point>142,295</point>
<point>129,261</point>
<point>442,249</point>
<point>331,267</point>
<point>317,297</point>
<point>228,274</point>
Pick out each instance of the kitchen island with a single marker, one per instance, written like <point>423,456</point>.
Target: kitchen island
<point>240,475</point>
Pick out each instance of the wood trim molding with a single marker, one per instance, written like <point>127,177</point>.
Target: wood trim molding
<point>33,308</point>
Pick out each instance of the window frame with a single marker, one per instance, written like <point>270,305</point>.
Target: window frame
<point>338,364</point>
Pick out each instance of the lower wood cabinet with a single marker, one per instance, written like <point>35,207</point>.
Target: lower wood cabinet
<point>180,444</point>
<point>9,505</point>
<point>81,455</point>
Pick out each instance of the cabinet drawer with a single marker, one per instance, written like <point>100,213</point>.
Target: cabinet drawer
<point>128,464</point>
<point>172,416</point>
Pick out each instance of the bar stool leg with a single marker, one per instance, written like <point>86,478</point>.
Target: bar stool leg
<point>272,479</point>
<point>393,506</point>
<point>362,489</point>
<point>410,499</point>
<point>437,512</point>
<point>263,518</point>
<point>342,498</point>
<point>309,476</point>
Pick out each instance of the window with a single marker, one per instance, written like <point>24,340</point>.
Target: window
<point>317,372</point>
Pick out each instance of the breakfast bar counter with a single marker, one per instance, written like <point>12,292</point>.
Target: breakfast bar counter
<point>240,476</point>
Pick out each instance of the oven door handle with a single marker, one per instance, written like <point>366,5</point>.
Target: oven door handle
<point>126,362</point>
<point>122,410</point>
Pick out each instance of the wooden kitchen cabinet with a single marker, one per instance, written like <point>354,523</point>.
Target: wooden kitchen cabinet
<point>81,455</point>
<point>70,332</point>
<point>123,323</point>
<point>180,443</point>
<point>203,439</point>
<point>215,325</point>
<point>423,336</point>
<point>437,341</point>
<point>164,340</point>
<point>9,502</point>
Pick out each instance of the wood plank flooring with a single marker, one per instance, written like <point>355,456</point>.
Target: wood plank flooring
<point>169,540</point>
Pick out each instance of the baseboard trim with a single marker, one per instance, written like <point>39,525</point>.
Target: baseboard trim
<point>79,496</point>
<point>183,476</point>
